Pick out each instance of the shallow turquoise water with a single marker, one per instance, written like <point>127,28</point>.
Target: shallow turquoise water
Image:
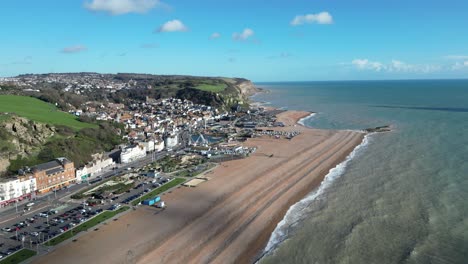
<point>404,197</point>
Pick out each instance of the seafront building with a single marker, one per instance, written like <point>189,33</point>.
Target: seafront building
<point>132,153</point>
<point>16,189</point>
<point>53,175</point>
<point>99,163</point>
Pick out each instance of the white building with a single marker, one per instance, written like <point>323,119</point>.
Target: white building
<point>19,188</point>
<point>149,145</point>
<point>82,174</point>
<point>171,141</point>
<point>99,163</point>
<point>132,153</point>
<point>158,146</point>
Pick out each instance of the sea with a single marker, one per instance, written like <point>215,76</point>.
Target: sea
<point>401,196</point>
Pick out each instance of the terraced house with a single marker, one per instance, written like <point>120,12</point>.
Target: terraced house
<point>54,174</point>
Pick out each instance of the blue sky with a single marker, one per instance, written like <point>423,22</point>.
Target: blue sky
<point>261,40</point>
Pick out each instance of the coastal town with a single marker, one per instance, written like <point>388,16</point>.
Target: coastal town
<point>233,132</point>
<point>169,142</point>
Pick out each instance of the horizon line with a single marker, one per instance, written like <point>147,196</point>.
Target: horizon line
<point>254,81</point>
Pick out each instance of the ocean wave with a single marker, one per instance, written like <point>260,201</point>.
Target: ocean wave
<point>302,120</point>
<point>297,212</point>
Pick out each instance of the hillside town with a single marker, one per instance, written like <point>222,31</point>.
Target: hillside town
<point>176,126</point>
<point>76,83</point>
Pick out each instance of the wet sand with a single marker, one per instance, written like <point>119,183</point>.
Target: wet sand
<point>228,219</point>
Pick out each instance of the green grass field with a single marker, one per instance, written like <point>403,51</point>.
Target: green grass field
<point>19,256</point>
<point>215,88</point>
<point>39,111</point>
<point>85,226</point>
<point>159,190</point>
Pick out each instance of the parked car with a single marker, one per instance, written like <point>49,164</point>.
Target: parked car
<point>43,214</point>
<point>6,229</point>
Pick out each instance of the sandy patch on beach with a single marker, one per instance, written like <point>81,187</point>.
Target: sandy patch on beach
<point>227,219</point>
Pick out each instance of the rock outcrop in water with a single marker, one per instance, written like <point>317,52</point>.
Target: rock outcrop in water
<point>379,129</point>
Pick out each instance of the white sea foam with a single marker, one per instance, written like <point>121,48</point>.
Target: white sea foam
<point>297,212</point>
<point>302,120</point>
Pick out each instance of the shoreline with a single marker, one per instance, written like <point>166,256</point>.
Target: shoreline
<point>232,216</point>
<point>258,249</point>
<point>336,172</point>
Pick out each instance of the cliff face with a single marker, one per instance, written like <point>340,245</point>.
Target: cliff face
<point>237,91</point>
<point>246,88</point>
<point>21,137</point>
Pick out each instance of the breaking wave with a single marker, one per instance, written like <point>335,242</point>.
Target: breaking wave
<point>297,212</point>
<point>302,120</point>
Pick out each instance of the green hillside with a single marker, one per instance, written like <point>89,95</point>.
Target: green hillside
<point>39,111</point>
<point>215,88</point>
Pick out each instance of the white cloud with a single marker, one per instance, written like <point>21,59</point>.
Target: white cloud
<point>120,7</point>
<point>459,65</point>
<point>172,26</point>
<point>247,33</point>
<point>215,35</point>
<point>319,18</point>
<point>400,66</point>
<point>74,49</point>
<point>365,64</point>
<point>457,57</point>
<point>461,62</point>
<point>395,66</point>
